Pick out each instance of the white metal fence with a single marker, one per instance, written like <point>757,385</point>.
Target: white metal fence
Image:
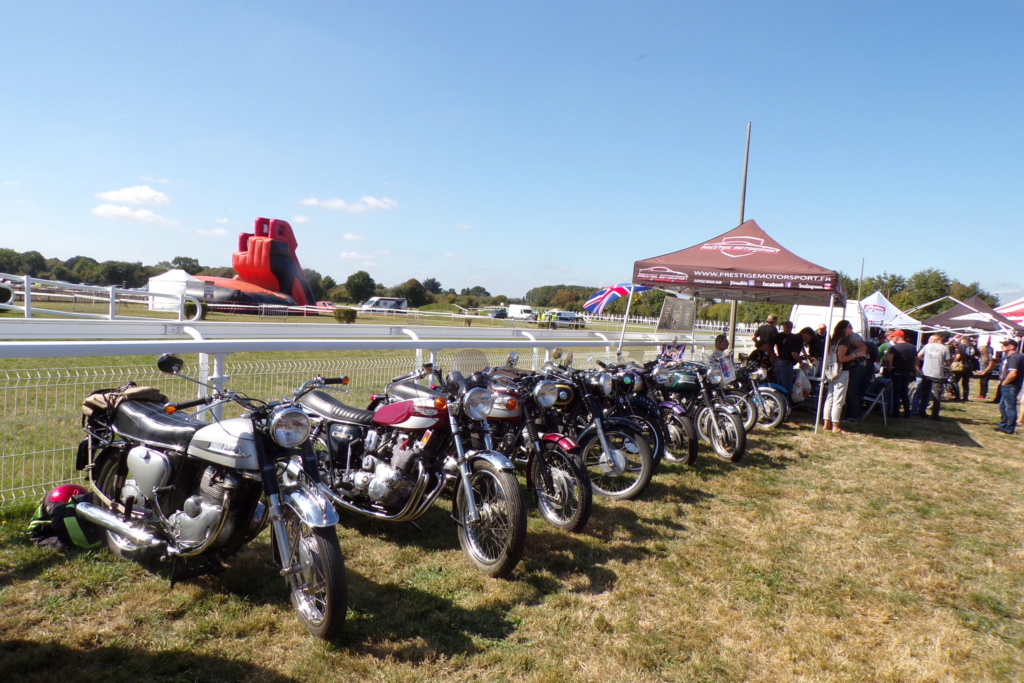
<point>40,407</point>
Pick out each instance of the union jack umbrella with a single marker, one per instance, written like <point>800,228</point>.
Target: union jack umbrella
<point>596,303</point>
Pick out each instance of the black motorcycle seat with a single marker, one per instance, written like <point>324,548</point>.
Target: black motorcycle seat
<point>408,391</point>
<point>326,406</point>
<point>146,421</point>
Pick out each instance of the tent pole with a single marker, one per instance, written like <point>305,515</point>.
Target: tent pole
<point>733,305</point>
<point>821,379</point>
<point>625,318</point>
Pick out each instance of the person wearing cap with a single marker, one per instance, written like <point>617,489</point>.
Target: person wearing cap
<point>1011,376</point>
<point>934,363</point>
<point>901,361</point>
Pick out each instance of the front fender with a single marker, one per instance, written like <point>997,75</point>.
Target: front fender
<point>674,407</point>
<point>777,387</point>
<point>495,458</point>
<point>303,495</point>
<point>645,402</point>
<point>561,439</point>
<point>608,422</point>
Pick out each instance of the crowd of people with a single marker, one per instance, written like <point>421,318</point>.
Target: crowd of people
<point>920,379</point>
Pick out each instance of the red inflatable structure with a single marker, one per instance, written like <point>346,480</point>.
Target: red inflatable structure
<point>268,269</point>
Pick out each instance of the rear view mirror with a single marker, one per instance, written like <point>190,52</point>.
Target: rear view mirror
<point>556,354</point>
<point>513,358</point>
<point>170,364</point>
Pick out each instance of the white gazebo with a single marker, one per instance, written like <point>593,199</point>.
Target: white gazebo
<point>176,282</point>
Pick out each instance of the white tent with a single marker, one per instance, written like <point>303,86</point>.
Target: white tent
<point>881,312</point>
<point>176,282</point>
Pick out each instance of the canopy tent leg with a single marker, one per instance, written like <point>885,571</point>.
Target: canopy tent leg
<point>821,378</point>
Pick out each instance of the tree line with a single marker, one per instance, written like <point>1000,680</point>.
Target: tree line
<point>905,292</point>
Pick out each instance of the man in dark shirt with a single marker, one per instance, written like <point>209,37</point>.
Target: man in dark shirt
<point>1011,376</point>
<point>901,360</point>
<point>784,343</point>
<point>766,332</point>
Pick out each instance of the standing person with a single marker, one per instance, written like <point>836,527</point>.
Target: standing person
<point>934,361</point>
<point>986,366</point>
<point>901,360</point>
<point>956,365</point>
<point>969,358</point>
<point>766,332</point>
<point>785,344</point>
<point>860,376</point>
<point>846,356</point>
<point>1011,376</point>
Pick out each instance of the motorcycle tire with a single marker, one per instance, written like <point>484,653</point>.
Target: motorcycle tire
<point>494,545</point>
<point>746,405</point>
<point>729,440</point>
<point>635,476</point>
<point>681,441</point>
<point>318,589</point>
<point>650,426</point>
<point>567,506</point>
<point>772,408</point>
<point>106,482</point>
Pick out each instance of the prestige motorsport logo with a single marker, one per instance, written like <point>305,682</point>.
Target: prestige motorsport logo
<point>738,247</point>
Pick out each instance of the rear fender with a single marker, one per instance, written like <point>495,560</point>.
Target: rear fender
<point>562,440</point>
<point>674,407</point>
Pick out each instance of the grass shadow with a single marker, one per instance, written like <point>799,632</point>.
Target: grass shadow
<point>28,660</point>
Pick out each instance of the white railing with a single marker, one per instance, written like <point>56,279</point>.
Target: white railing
<point>40,406</point>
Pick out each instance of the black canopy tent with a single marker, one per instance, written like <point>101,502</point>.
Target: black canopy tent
<point>746,264</point>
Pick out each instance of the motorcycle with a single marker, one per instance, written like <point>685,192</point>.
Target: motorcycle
<point>170,487</point>
<point>393,460</point>
<point>696,386</point>
<point>615,453</point>
<point>554,471</point>
<point>770,404</point>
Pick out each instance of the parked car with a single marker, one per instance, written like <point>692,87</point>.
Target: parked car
<point>568,319</point>
<point>499,313</point>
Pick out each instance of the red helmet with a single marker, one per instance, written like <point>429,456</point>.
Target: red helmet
<point>62,494</point>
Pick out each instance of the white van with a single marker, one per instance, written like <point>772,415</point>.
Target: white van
<point>812,316</point>
<point>384,304</point>
<point>520,312</point>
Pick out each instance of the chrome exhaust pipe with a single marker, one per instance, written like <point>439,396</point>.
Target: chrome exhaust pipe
<point>111,522</point>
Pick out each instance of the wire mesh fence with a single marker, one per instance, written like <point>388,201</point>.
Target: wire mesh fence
<point>40,408</point>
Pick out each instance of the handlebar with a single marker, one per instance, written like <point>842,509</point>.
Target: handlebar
<point>184,405</point>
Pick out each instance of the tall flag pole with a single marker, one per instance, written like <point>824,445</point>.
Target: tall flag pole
<point>625,318</point>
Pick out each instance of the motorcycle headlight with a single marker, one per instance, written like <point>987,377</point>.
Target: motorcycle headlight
<point>545,393</point>
<point>761,373</point>
<point>289,427</point>
<point>478,403</point>
<point>604,383</point>
<point>715,375</point>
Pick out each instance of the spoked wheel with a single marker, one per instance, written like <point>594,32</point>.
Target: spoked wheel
<point>772,408</point>
<point>624,472</point>
<point>316,576</point>
<point>116,483</point>
<point>494,544</point>
<point>681,438</point>
<point>566,503</point>
<point>650,427</point>
<point>746,405</point>
<point>725,433</point>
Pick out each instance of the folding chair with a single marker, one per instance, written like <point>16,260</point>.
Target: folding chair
<point>879,393</point>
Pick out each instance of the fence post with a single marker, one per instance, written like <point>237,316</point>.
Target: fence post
<point>112,304</point>
<point>28,296</point>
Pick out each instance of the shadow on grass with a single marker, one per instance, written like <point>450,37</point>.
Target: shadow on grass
<point>400,621</point>
<point>947,430</point>
<point>27,660</point>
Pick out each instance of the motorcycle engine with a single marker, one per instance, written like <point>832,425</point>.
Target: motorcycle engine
<point>201,513</point>
<point>385,480</point>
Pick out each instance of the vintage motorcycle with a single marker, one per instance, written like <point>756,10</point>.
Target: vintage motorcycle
<point>171,487</point>
<point>614,451</point>
<point>771,406</point>
<point>393,460</point>
<point>554,471</point>
<point>696,387</point>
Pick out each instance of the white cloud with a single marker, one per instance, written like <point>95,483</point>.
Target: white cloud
<point>141,194</point>
<point>362,206</point>
<point>10,183</point>
<point>351,255</point>
<point>147,179</point>
<point>125,213</point>
<point>299,220</point>
<point>463,226</point>
<point>350,237</point>
<point>218,232</point>
<point>221,221</point>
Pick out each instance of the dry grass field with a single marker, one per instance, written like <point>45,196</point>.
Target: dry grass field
<point>892,554</point>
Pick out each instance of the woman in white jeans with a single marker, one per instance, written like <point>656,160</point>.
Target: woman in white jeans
<point>846,356</point>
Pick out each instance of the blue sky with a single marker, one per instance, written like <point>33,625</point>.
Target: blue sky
<point>516,144</point>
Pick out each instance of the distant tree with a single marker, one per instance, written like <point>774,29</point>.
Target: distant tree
<point>328,283</point>
<point>316,283</point>
<point>32,263</point>
<point>186,263</point>
<point>432,285</point>
<point>60,272</point>
<point>962,292</point>
<point>360,286</point>
<point>338,294</point>
<point>10,261</point>
<point>122,273</point>
<point>477,291</point>
<point>563,299</point>
<point>223,271</point>
<point>888,285</point>
<point>413,291</point>
<point>922,287</point>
